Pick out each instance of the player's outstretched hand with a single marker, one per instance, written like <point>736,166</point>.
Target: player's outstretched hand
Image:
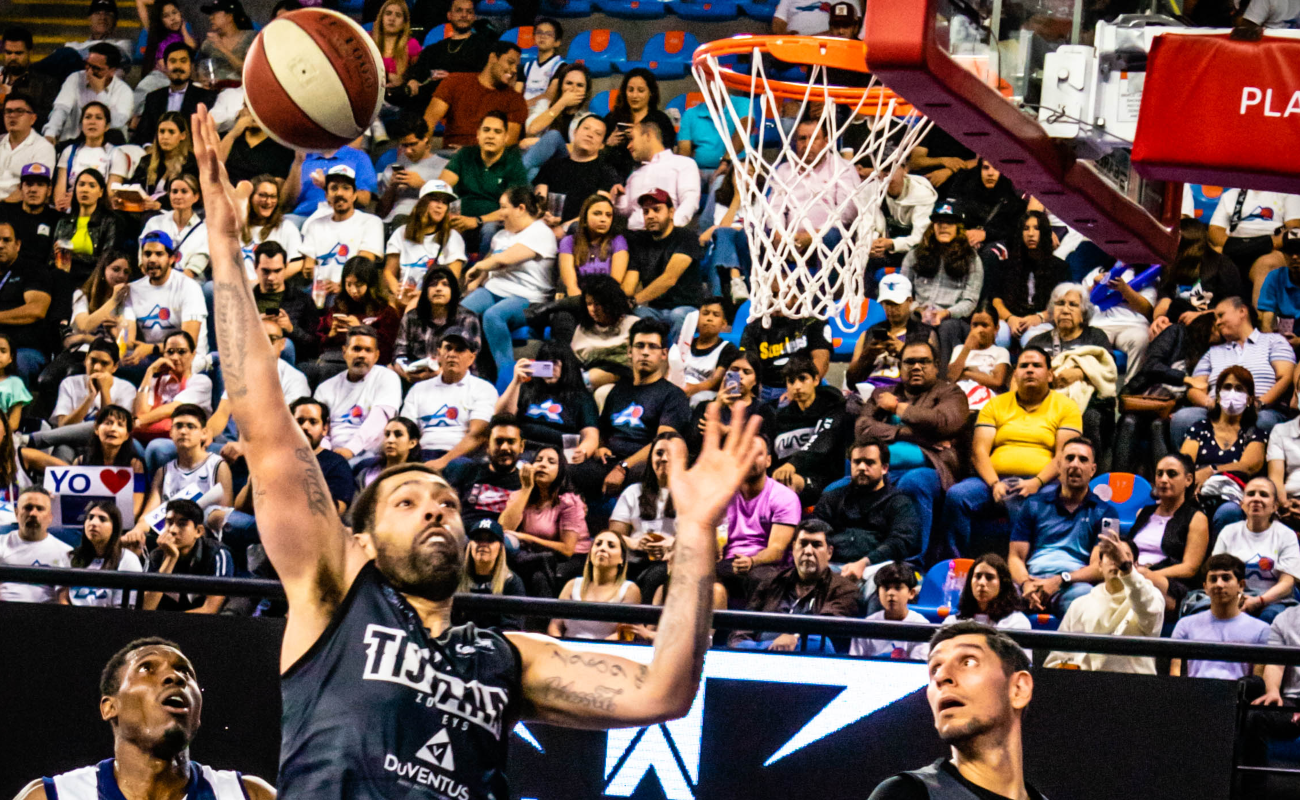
<point>225,206</point>
<point>701,493</point>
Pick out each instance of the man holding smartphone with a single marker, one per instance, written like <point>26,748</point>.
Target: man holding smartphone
<point>1054,534</point>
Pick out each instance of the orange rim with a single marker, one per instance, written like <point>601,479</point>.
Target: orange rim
<point>847,54</point>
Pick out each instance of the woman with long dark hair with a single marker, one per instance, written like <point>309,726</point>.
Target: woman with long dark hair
<point>92,149</point>
<point>90,226</point>
<point>594,248</point>
<point>989,202</point>
<point>947,278</point>
<point>1022,273</point>
<point>99,311</point>
<point>265,222</point>
<point>101,548</point>
<point>1172,535</point>
<point>646,519</point>
<point>741,383</point>
<point>363,301</point>
<point>550,125</point>
<point>551,408</point>
<point>549,520</point>
<point>230,34</point>
<point>604,580</point>
<point>1226,440</point>
<point>638,100</point>
<point>421,328</point>
<point>602,340</point>
<point>110,446</point>
<point>425,240</point>
<point>990,596</point>
<point>401,444</point>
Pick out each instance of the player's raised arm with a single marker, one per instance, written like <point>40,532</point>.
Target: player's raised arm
<point>593,690</point>
<point>299,526</point>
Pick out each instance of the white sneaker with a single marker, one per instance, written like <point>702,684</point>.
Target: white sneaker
<point>739,291</point>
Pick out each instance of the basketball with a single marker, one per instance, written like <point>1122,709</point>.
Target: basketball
<point>314,79</point>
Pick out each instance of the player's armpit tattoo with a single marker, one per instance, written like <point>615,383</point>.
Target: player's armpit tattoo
<point>600,698</point>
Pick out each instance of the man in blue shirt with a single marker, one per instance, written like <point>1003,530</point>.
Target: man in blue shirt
<point>311,191</point>
<point>1054,534</point>
<point>1279,297</point>
<point>1223,621</point>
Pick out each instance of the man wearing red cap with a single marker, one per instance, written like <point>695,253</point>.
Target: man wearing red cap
<point>666,260</point>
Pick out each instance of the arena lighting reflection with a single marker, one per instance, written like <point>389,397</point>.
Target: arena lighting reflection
<point>672,749</point>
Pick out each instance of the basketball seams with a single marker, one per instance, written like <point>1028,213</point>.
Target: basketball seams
<point>270,94</point>
<point>353,54</point>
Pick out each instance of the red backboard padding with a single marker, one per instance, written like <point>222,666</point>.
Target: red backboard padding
<point>1222,112</point>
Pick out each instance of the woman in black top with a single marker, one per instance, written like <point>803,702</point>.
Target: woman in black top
<point>1226,440</point>
<point>1198,279</point>
<point>638,99</point>
<point>1172,535</point>
<point>172,155</point>
<point>421,328</point>
<point>548,409</point>
<point>90,201</point>
<point>1021,275</point>
<point>486,572</point>
<point>988,202</point>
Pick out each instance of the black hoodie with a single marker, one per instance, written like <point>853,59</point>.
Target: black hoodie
<point>813,440</point>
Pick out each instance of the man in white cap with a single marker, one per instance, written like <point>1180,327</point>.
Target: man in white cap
<point>329,241</point>
<point>416,165</point>
<point>880,346</point>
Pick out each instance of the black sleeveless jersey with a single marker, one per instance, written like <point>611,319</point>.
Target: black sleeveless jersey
<point>378,710</point>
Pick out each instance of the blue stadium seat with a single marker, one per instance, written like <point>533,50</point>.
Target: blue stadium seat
<point>493,8</point>
<point>737,327</point>
<point>634,9</point>
<point>933,601</point>
<point>602,102</point>
<point>754,9</point>
<point>1128,493</point>
<point>1044,622</point>
<point>386,159</point>
<point>369,27</point>
<point>706,10</point>
<point>598,49</point>
<point>1121,361</point>
<point>141,45</point>
<point>844,336</point>
<point>667,55</point>
<point>522,36</point>
<point>437,34</point>
<point>566,8</point>
<point>684,101</point>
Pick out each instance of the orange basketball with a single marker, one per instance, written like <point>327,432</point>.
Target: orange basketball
<point>314,79</point>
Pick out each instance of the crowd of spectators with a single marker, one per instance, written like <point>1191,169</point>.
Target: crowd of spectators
<point>1011,368</point>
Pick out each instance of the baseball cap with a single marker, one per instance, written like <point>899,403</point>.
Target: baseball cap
<point>656,196</point>
<point>459,334</point>
<point>894,288</point>
<point>486,529</point>
<point>160,237</point>
<point>35,172</point>
<point>843,14</point>
<point>341,171</point>
<point>945,211</point>
<point>102,5</point>
<point>1290,241</point>
<point>436,186</point>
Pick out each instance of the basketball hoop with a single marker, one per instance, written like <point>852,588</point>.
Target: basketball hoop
<point>781,194</point>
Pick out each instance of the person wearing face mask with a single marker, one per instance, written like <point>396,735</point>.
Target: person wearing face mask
<point>1227,441</point>
<point>101,548</point>
<point>549,521</point>
<point>1269,550</point>
<point>486,572</point>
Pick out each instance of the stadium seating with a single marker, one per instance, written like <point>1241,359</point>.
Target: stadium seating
<point>522,36</point>
<point>141,45</point>
<point>941,588</point>
<point>667,55</point>
<point>706,11</point>
<point>738,326</point>
<point>437,34</point>
<point>602,102</point>
<point>599,50</point>
<point>1128,493</point>
<point>844,336</point>
<point>633,9</point>
<point>763,12</point>
<point>493,8</point>
<point>566,8</point>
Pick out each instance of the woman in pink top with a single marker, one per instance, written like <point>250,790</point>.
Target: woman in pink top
<point>392,34</point>
<point>549,520</point>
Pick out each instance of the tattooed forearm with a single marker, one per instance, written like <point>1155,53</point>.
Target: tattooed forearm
<point>635,673</point>
<point>235,315</point>
<point>688,606</point>
<point>600,698</point>
<point>319,501</point>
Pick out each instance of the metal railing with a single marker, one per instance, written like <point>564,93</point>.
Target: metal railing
<point>642,614</point>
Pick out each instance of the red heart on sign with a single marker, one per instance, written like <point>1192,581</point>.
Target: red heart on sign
<point>115,479</point>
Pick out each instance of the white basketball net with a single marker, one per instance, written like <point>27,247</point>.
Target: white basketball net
<point>785,195</point>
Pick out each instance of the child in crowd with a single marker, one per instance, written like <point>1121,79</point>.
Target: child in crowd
<point>13,392</point>
<point>896,586</point>
<point>709,353</point>
<point>979,366</point>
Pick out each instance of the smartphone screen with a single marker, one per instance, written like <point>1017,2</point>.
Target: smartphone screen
<point>543,369</point>
<point>731,381</point>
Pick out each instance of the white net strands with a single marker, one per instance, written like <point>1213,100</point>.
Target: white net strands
<point>809,219</point>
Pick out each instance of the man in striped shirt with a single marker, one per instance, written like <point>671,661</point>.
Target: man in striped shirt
<point>1267,356</point>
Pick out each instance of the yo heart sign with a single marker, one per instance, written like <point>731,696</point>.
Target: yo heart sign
<point>74,488</point>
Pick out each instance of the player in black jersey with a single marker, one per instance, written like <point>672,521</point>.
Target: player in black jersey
<point>383,697</point>
<point>151,696</point>
<point>979,688</point>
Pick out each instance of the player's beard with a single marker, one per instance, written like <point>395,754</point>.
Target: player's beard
<point>433,574</point>
<point>975,728</point>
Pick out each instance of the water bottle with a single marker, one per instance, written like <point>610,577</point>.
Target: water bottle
<point>952,587</point>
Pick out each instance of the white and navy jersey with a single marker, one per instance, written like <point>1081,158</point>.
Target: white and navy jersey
<point>98,783</point>
<point>204,475</point>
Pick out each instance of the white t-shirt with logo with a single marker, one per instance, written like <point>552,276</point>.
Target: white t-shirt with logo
<point>1261,214</point>
<point>286,235</point>
<point>293,384</point>
<point>806,17</point>
<point>415,258</point>
<point>351,401</point>
<point>1267,554</point>
<point>533,279</point>
<point>83,158</point>
<point>18,552</point>
<point>444,411</point>
<point>160,310</point>
<point>81,305</point>
<point>101,597</point>
<point>331,243</point>
<point>889,648</point>
<point>73,391</point>
<point>191,242</point>
<point>538,76</point>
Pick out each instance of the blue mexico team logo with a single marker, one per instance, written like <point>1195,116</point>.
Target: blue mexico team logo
<point>158,317</point>
<point>548,410</point>
<point>629,417</point>
<point>354,416</point>
<point>337,254</point>
<point>445,417</point>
